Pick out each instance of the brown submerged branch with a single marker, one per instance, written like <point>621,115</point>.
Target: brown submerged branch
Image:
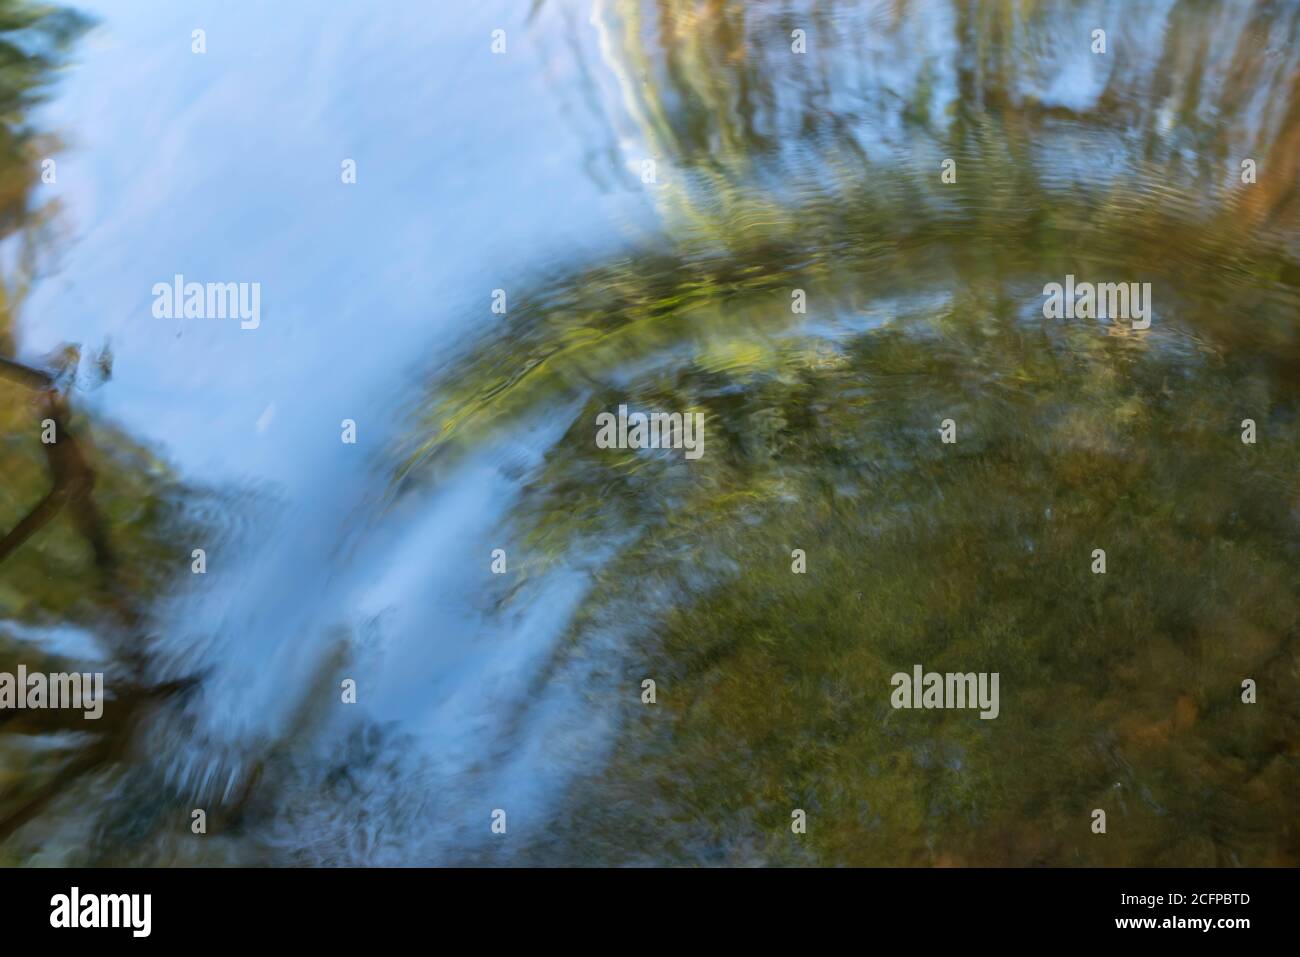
<point>72,484</point>
<point>72,481</point>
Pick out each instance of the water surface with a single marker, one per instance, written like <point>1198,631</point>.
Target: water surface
<point>774,171</point>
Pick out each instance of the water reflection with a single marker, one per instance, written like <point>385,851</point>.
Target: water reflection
<point>926,305</point>
<point>776,171</point>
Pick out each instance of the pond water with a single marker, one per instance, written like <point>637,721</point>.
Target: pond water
<point>828,228</point>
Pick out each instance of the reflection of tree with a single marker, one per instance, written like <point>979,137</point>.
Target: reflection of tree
<point>85,537</point>
<point>713,91</point>
<point>34,38</point>
<point>1120,691</point>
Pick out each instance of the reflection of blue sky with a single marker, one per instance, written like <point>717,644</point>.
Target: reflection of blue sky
<point>225,167</point>
<point>472,174</point>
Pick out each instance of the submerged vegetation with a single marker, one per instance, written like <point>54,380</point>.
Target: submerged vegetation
<point>825,300</point>
<point>1120,691</point>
